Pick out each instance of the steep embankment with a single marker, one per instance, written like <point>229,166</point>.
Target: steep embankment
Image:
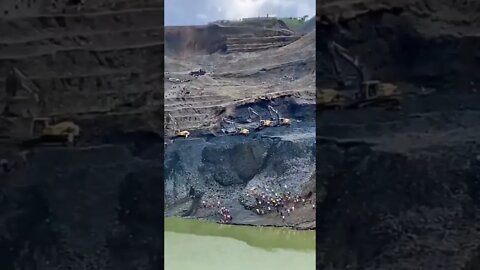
<point>215,37</point>
<point>236,79</point>
<point>226,168</point>
<point>86,207</point>
<point>434,43</point>
<point>401,187</point>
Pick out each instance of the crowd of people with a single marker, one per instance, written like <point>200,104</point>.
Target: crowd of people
<point>282,203</point>
<point>222,211</point>
<point>226,217</point>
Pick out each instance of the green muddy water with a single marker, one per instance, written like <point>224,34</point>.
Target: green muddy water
<point>200,245</point>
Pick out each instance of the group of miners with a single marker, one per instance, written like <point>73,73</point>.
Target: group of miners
<point>225,215</point>
<point>283,203</point>
<point>266,201</point>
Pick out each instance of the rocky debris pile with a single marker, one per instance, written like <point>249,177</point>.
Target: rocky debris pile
<point>390,210</point>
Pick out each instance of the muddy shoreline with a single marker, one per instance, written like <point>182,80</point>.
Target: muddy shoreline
<point>301,227</point>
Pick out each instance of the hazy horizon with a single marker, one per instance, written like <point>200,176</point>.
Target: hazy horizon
<point>189,12</point>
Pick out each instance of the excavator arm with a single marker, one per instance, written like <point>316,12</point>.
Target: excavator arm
<point>251,111</point>
<point>173,121</point>
<point>272,111</point>
<point>334,49</point>
<point>228,122</point>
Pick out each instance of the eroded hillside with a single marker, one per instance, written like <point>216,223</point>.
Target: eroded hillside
<point>401,185</point>
<point>94,205</point>
<point>217,72</point>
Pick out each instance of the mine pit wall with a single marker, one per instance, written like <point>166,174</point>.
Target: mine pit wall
<point>186,40</point>
<point>88,206</point>
<point>226,164</point>
<point>396,42</point>
<point>13,9</point>
<point>82,211</point>
<point>402,209</point>
<point>248,44</point>
<point>19,8</point>
<point>289,107</point>
<point>229,164</point>
<point>386,199</point>
<point>96,64</point>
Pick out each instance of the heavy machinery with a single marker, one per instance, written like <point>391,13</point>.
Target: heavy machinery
<point>261,123</point>
<point>43,130</point>
<point>280,120</point>
<point>178,133</point>
<point>23,96</point>
<point>376,93</point>
<point>364,93</point>
<point>331,99</point>
<point>235,130</point>
<point>65,131</point>
<point>182,133</point>
<point>197,73</point>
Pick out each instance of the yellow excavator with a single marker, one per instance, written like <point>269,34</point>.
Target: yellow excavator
<point>44,132</point>
<point>280,120</point>
<point>243,131</point>
<point>179,133</point>
<point>236,130</point>
<point>182,133</point>
<point>331,99</point>
<point>366,93</point>
<point>261,122</point>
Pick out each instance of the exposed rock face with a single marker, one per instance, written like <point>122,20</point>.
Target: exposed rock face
<point>88,63</point>
<point>218,37</point>
<point>200,103</point>
<point>401,187</point>
<point>239,43</point>
<point>87,207</point>
<point>226,168</point>
<point>433,43</point>
<point>387,210</point>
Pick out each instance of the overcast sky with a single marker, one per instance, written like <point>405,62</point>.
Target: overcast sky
<point>191,12</point>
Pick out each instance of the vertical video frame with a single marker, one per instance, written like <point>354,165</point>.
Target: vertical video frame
<point>398,132</point>
<point>81,143</point>
<point>240,182</point>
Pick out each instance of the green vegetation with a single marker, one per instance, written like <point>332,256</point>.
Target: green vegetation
<point>294,23</point>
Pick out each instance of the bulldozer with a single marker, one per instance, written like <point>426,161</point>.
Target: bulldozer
<point>261,122</point>
<point>365,93</point>
<point>280,120</point>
